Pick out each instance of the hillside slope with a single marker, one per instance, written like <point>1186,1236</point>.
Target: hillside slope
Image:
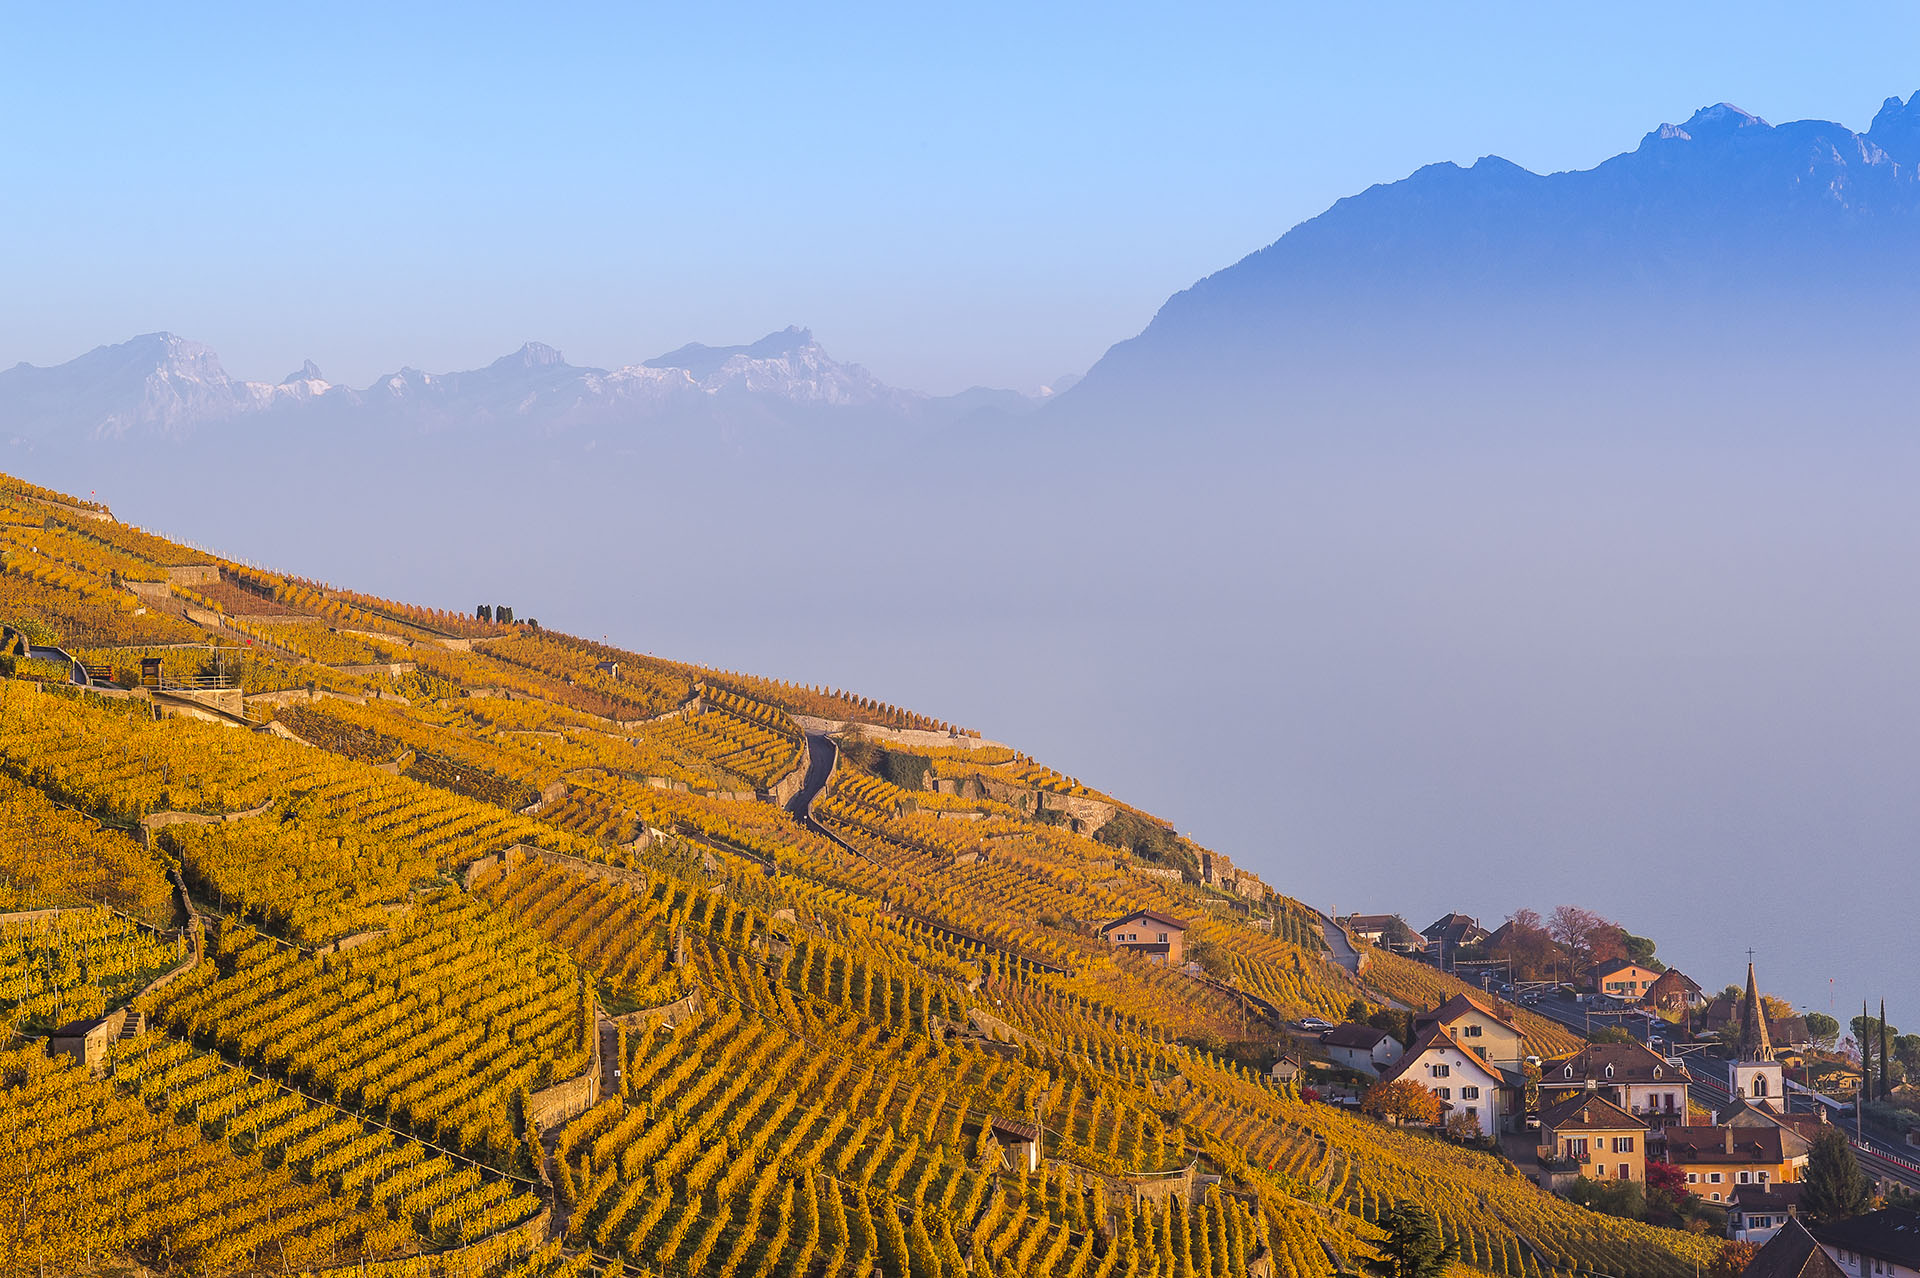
<point>534,955</point>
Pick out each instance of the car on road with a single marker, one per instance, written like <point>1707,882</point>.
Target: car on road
<point>1314,1023</point>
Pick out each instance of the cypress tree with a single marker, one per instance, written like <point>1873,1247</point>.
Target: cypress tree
<point>1866,1054</point>
<point>1886,1088</point>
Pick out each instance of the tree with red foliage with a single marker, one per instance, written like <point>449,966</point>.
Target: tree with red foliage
<point>1402,1101</point>
<point>1667,1198</point>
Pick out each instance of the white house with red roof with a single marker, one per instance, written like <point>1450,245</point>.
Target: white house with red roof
<point>1465,1083</point>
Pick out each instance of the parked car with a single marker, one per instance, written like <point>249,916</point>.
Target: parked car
<point>1533,1122</point>
<point>1315,1024</point>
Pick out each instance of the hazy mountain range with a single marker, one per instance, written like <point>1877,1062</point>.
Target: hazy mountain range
<point>161,386</point>
<point>1710,250</point>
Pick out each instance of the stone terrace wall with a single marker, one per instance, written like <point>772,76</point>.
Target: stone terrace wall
<point>676,1014</point>
<point>920,738</point>
<point>519,852</point>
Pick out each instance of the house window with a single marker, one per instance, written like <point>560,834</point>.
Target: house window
<point>1714,1179</point>
<point>1759,1222</point>
<point>1577,1150</point>
<point>1469,1093</point>
<point>1761,1177</point>
<point>1442,1071</point>
<point>1444,1093</point>
<point>1473,1031</point>
<point>1716,1198</point>
<point>1669,1102</point>
<point>1163,938</point>
<point>1745,1178</point>
<point>1693,1178</point>
<point>1623,1144</point>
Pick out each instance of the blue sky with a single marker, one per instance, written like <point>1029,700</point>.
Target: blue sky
<point>971,194</point>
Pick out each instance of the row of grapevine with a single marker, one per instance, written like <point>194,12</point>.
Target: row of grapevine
<point>76,963</point>
<point>432,1026</point>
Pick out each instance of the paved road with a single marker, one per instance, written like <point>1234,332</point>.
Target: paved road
<point>821,753</point>
<point>1343,952</point>
<point>1568,1011</point>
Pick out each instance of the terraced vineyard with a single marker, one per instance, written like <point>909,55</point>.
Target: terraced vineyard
<point>483,951</point>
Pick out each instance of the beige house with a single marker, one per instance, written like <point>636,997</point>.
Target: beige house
<point>1160,937</point>
<point>1602,1139</point>
<point>1622,979</point>
<point>1478,1028</point>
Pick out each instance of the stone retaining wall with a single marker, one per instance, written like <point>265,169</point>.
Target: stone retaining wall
<point>28,916</point>
<point>649,1019</point>
<point>555,792</point>
<point>920,738</point>
<point>78,512</point>
<point>564,1100</point>
<point>378,636</point>
<point>355,941</point>
<point>520,852</point>
<point>287,696</point>
<point>782,791</point>
<point>156,820</point>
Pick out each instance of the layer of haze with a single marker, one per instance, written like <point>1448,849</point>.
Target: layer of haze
<point>1671,683</point>
<point>988,194</point>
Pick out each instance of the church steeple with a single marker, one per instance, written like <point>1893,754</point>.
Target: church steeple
<point>1755,1043</point>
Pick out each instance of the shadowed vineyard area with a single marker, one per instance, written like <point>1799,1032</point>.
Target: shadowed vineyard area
<point>343,935</point>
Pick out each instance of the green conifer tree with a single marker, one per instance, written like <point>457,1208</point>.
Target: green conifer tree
<point>1835,1187</point>
<point>1413,1247</point>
